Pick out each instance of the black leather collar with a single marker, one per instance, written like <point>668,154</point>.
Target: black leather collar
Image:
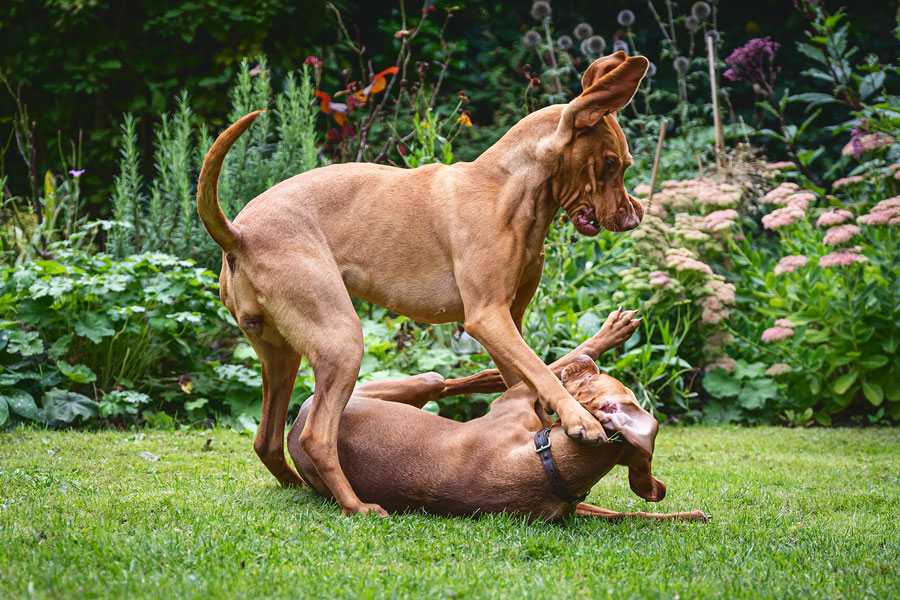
<point>542,448</point>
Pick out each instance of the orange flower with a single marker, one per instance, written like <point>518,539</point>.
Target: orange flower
<point>465,120</point>
<point>329,106</point>
<point>379,82</point>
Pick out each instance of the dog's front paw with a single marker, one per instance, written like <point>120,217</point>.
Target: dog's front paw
<point>620,325</point>
<point>583,427</point>
<point>364,509</point>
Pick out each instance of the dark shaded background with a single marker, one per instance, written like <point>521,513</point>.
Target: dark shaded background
<point>80,64</point>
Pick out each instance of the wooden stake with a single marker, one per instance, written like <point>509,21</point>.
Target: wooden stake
<point>720,136</point>
<point>659,145</point>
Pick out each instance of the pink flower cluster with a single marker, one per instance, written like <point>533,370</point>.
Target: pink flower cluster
<point>840,234</point>
<point>783,217</point>
<point>774,334</point>
<point>886,212</point>
<point>778,369</point>
<point>682,259</point>
<point>784,323</point>
<point>685,194</point>
<point>722,362</point>
<point>690,227</point>
<point>780,194</point>
<point>833,217</point>
<point>842,257</point>
<point>713,305</point>
<point>865,142</point>
<point>780,165</point>
<point>660,279</point>
<point>845,181</point>
<point>790,263</point>
<point>720,219</point>
<point>800,200</point>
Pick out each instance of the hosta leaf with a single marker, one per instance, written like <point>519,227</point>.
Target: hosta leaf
<point>24,343</point>
<point>21,403</point>
<point>4,412</point>
<point>60,405</point>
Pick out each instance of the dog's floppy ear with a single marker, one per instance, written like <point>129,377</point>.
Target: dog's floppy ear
<point>642,481</point>
<point>609,85</point>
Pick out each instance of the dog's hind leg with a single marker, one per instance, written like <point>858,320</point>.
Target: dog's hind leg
<point>589,510</point>
<point>279,364</point>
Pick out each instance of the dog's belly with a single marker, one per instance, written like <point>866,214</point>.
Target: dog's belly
<point>430,298</point>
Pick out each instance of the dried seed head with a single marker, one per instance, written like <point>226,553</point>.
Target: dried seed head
<point>682,64</point>
<point>701,9</point>
<point>583,31</point>
<point>691,23</point>
<point>593,46</point>
<point>714,35</point>
<point>531,38</point>
<point>620,45</point>
<point>540,10</point>
<point>564,42</point>
<point>651,70</point>
<point>626,18</point>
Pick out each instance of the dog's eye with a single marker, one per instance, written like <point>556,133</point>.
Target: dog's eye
<point>610,162</point>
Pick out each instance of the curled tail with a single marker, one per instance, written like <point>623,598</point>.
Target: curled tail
<point>217,224</point>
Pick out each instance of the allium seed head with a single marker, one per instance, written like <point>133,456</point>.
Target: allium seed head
<point>700,10</point>
<point>626,18</point>
<point>651,70</point>
<point>620,45</point>
<point>691,23</point>
<point>564,42</point>
<point>531,38</point>
<point>583,31</point>
<point>540,10</point>
<point>682,64</point>
<point>715,35</point>
<point>593,46</point>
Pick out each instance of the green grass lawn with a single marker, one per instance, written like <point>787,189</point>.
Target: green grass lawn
<point>797,513</point>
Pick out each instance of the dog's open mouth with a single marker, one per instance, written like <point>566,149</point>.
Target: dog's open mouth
<point>586,222</point>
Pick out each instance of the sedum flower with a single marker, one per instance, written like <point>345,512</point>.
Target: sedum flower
<point>845,181</point>
<point>833,217</point>
<point>840,234</point>
<point>778,369</point>
<point>723,362</point>
<point>774,334</point>
<point>782,217</point>
<point>784,323</point>
<point>682,259</point>
<point>886,212</point>
<point>780,194</point>
<point>842,258</point>
<point>791,263</point>
<point>800,200</point>
<point>720,219</point>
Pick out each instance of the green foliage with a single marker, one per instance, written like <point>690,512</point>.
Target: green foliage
<point>161,216</point>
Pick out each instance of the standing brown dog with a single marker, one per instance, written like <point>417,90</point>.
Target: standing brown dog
<point>438,243</point>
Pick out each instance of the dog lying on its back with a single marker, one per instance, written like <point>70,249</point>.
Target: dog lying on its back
<point>403,458</point>
<point>438,243</point>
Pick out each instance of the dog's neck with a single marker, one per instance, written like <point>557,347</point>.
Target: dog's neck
<point>582,466</point>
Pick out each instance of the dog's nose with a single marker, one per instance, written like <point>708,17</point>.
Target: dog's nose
<point>628,219</point>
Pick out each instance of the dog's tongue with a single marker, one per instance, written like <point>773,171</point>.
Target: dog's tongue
<point>585,222</point>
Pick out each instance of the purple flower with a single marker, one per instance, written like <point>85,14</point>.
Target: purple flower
<point>76,173</point>
<point>747,65</point>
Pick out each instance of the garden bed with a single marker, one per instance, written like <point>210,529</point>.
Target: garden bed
<point>193,513</point>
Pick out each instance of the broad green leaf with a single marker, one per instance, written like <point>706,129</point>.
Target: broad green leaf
<point>890,345</point>
<point>4,412</point>
<point>721,384</point>
<point>844,382</point>
<point>244,352</point>
<point>432,407</point>
<point>59,348</point>
<point>21,403</point>
<point>24,343</point>
<point>823,418</point>
<point>873,392</point>
<point>77,373</point>
<point>195,404</point>
<point>94,327</point>
<point>755,393</point>
<point>749,371</point>
<point>53,287</point>
<point>874,361</point>
<point>60,405</point>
